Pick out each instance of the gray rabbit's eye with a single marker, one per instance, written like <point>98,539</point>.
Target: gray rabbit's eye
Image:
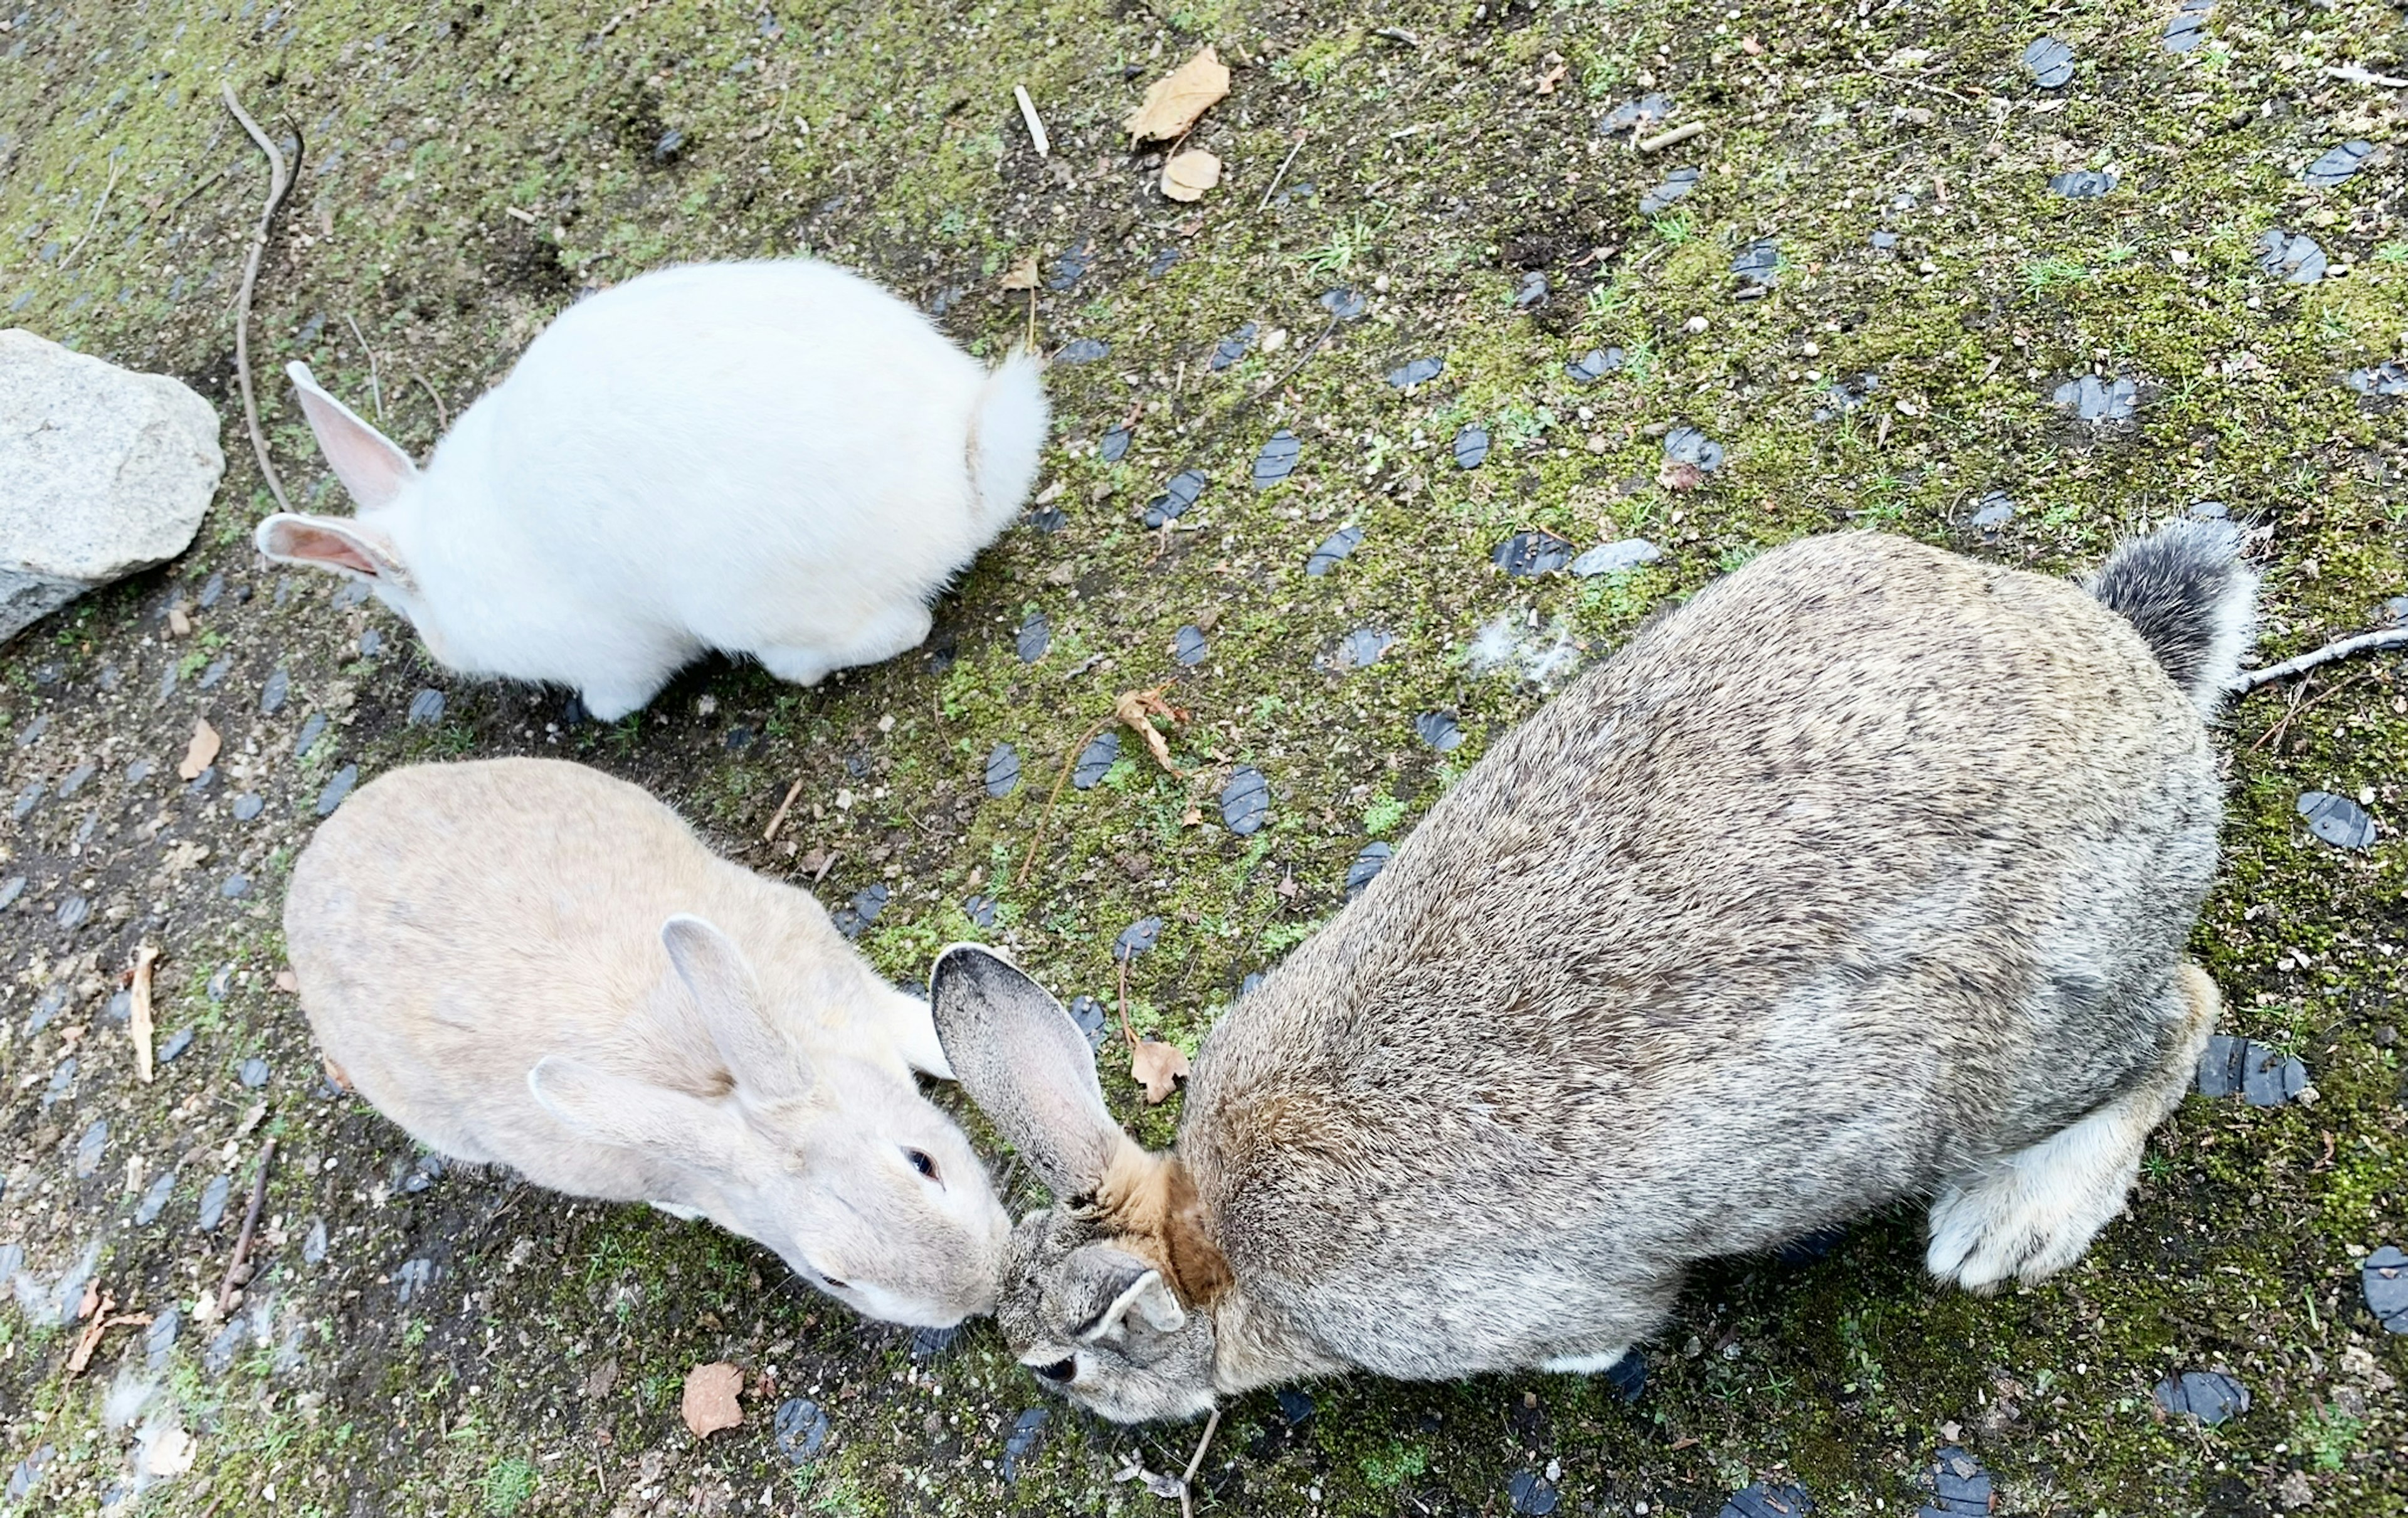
<point>1060,1372</point>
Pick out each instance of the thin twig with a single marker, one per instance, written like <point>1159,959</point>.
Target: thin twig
<point>114,170</point>
<point>250,1226</point>
<point>1047,815</point>
<point>2392,637</point>
<point>1281,174</point>
<point>1195,1463</point>
<point>144,958</point>
<point>2353,74</point>
<point>375,387</point>
<point>777,818</point>
<point>279,181</point>
<point>1677,136</point>
<point>186,198</point>
<point>1028,118</point>
<point>442,418</point>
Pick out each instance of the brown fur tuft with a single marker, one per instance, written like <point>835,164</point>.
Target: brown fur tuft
<point>1149,1202</point>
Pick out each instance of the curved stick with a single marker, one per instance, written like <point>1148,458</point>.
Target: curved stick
<point>279,181</point>
<point>2394,638</point>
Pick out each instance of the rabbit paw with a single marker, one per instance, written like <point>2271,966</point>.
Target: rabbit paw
<point>2036,1211</point>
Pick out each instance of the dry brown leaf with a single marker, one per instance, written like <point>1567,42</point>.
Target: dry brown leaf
<point>171,1453</point>
<point>203,752</point>
<point>1158,1067</point>
<point>711,1393</point>
<point>1553,77</point>
<point>1134,708</point>
<point>1021,276</point>
<point>1679,475</point>
<point>179,624</point>
<point>603,1378</point>
<point>1190,174</point>
<point>1174,100</point>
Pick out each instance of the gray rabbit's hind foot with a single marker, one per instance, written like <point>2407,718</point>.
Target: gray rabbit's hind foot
<point>2033,1212</point>
<point>1586,1365</point>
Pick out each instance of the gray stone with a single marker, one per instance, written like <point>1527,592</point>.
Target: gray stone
<point>109,472</point>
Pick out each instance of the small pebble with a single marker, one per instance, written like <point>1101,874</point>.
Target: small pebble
<point>1136,937</point>
<point>1245,801</point>
<point>2209,1395</point>
<point>1002,770</point>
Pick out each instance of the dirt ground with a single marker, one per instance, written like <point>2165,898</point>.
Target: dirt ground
<point>1868,293</point>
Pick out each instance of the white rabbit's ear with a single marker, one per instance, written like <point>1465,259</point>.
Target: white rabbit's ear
<point>1027,1064</point>
<point>714,971</point>
<point>370,464</point>
<point>614,1109</point>
<point>341,544</point>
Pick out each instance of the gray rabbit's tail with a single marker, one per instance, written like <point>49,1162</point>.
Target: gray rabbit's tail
<point>2192,600</point>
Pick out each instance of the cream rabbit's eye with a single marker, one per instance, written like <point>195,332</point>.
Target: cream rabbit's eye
<point>921,1163</point>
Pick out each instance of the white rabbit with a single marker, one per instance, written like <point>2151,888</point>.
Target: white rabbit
<point>528,963</point>
<point>776,459</point>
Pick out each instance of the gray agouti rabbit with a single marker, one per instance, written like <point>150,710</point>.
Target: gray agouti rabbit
<point>530,963</point>
<point>1865,876</point>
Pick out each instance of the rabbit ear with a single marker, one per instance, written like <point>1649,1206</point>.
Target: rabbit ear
<point>1027,1064</point>
<point>626,1113</point>
<point>714,971</point>
<point>346,546</point>
<point>370,466</point>
<point>1124,1284</point>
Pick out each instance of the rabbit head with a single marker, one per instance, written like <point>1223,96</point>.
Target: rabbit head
<point>385,485</point>
<point>867,1191</point>
<point>1106,1296</point>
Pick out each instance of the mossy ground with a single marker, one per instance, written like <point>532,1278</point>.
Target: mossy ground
<point>468,1346</point>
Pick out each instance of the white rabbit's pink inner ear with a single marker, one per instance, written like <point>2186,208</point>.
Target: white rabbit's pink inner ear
<point>372,467</point>
<point>329,543</point>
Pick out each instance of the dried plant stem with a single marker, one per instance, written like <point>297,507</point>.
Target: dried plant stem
<point>1068,760</point>
<point>250,1226</point>
<point>442,418</point>
<point>280,180</point>
<point>375,385</point>
<point>2393,637</point>
<point>1195,1463</point>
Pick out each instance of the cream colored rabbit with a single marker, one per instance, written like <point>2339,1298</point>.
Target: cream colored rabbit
<point>1865,876</point>
<point>528,963</point>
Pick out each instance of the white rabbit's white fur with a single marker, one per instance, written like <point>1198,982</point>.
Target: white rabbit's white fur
<point>777,459</point>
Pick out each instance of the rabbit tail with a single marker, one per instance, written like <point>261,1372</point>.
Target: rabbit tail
<point>2192,600</point>
<point>1006,434</point>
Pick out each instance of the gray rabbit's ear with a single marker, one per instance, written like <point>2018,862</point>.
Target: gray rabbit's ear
<point>1124,1286</point>
<point>721,982</point>
<point>1027,1064</point>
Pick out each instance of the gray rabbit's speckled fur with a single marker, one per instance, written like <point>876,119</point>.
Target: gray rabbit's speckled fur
<point>1864,877</point>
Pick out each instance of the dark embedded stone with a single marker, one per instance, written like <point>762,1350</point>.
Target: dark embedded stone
<point>1334,547</point>
<point>1344,304</point>
<point>1688,445</point>
<point>1615,558</point>
<point>1114,445</point>
<point>2337,820</point>
<point>1233,347</point>
<point>1096,759</point>
<point>154,1201</point>
<point>928,1343</point>
<point>1136,937</point>
<point>2382,379</point>
<point>213,1202</point>
<point>1083,351</point>
<point>253,1073</point>
<point>1360,648</point>
<point>1532,291</point>
<point>1176,496</point>
<point>1471,448</point>
<point>2209,1396</point>
<point>1187,646</point>
<point>2336,164</point>
<point>336,789</point>
<point>218,1358</point>
<point>2083,184</point>
<point>1036,636</point>
<point>1045,519</point>
<point>2260,1074</point>
<point>221,984</point>
<point>1765,1500</point>
<point>1071,266</point>
<point>1532,1494</point>
<point>1440,730</point>
<point>2293,258</point>
<point>10,890</point>
<point>802,1427</point>
<point>2384,1277</point>
<point>1885,239</point>
<point>2210,510</point>
<point>1088,1013</point>
<point>74,779</point>
<point>312,726</point>
<point>979,909</point>
<point>33,730</point>
<point>371,644</point>
<point>1367,867</point>
<point>90,1147</point>
<point>1277,460</point>
<point>1533,553</point>
<point>1295,1406</point>
<point>62,1080</point>
<point>1757,264</point>
<point>854,918</point>
<point>1993,511</point>
<point>1676,185</point>
<point>177,1043</point>
<point>2094,399</point>
<point>671,144</point>
<point>1594,366</point>
<point>2188,27</point>
<point>1957,1484</point>
<point>1003,770</point>
<point>247,805</point>
<point>2050,63</point>
<point>739,738</point>
<point>236,886</point>
<point>426,709</point>
<point>1245,801</point>
<point>74,912</point>
<point>272,694</point>
<point>212,592</point>
<point>202,781</point>
<point>1161,264</point>
<point>54,1002</point>
<point>1025,1432</point>
<point>30,798</point>
<point>1637,117</point>
<point>1421,371</point>
<point>1627,1376</point>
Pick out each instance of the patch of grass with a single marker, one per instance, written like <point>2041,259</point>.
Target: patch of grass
<point>507,1485</point>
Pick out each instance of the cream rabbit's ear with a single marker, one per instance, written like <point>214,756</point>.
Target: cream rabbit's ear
<point>1027,1064</point>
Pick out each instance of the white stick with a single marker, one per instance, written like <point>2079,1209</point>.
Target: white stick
<point>2363,643</point>
<point>1028,114</point>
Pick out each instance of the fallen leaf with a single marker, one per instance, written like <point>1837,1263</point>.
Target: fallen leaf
<point>603,1378</point>
<point>1189,175</point>
<point>1157,1066</point>
<point>1021,276</point>
<point>1174,101</point>
<point>1678,476</point>
<point>1553,77</point>
<point>171,1453</point>
<point>1134,708</point>
<point>92,1301</point>
<point>335,1073</point>
<point>287,983</point>
<point>711,1393</point>
<point>203,752</point>
<point>144,958</point>
<point>177,623</point>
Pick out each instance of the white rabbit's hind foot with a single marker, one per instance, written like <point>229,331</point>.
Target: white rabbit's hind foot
<point>2033,1212</point>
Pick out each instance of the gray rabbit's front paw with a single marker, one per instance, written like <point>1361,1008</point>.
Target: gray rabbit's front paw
<point>2035,1211</point>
